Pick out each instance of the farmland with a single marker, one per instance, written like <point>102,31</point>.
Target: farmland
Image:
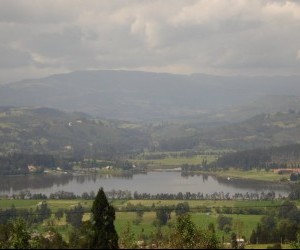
<point>203,212</point>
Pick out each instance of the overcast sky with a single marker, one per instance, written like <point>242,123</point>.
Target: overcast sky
<point>249,37</point>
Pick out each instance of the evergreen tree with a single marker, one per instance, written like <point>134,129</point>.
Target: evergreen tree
<point>103,215</point>
<point>182,208</point>
<point>162,215</point>
<point>74,216</point>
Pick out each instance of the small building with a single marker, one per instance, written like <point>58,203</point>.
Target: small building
<point>32,168</point>
<point>240,243</point>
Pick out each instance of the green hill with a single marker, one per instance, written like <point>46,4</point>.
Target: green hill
<point>45,130</point>
<point>264,130</point>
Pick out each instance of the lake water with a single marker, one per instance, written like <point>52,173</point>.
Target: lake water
<point>152,182</point>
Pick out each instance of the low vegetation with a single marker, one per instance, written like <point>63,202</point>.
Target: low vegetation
<point>152,222</point>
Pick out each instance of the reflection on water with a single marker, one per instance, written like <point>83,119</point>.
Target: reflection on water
<point>27,182</point>
<point>259,185</point>
<point>151,182</point>
<point>242,183</point>
<point>18,183</point>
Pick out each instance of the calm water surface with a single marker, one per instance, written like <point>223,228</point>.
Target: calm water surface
<point>152,182</point>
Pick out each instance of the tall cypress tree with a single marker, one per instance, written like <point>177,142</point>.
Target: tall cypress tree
<point>103,213</point>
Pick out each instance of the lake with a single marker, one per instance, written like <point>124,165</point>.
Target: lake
<point>151,182</point>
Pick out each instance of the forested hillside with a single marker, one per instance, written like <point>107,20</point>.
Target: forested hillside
<point>45,130</point>
<point>50,131</point>
<point>264,158</point>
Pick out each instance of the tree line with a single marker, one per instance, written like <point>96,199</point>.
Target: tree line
<point>20,163</point>
<point>128,195</point>
<point>263,158</point>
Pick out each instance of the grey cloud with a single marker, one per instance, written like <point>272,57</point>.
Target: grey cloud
<point>57,44</point>
<point>30,11</point>
<point>177,36</point>
<point>12,58</point>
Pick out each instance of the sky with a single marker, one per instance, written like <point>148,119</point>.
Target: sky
<point>223,37</point>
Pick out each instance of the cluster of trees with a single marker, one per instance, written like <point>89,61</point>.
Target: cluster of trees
<point>97,233</point>
<point>274,157</point>
<point>279,226</point>
<point>163,213</point>
<point>200,196</point>
<point>295,176</point>
<point>42,212</point>
<point>31,216</point>
<point>295,193</point>
<point>17,163</point>
<point>178,143</point>
<point>15,235</point>
<point>63,195</point>
<point>189,153</point>
<point>186,168</point>
<point>183,207</point>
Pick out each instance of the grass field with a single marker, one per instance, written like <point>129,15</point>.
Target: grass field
<point>194,204</point>
<point>171,161</point>
<point>260,175</point>
<point>54,205</point>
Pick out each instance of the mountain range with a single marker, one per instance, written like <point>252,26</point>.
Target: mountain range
<point>144,96</point>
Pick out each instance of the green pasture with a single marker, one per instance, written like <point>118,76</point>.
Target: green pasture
<point>244,224</point>
<point>260,175</point>
<point>144,227</point>
<point>173,161</point>
<point>176,162</point>
<point>27,204</point>
<point>54,205</point>
<point>195,204</point>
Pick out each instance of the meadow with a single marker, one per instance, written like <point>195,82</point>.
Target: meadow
<point>172,159</point>
<point>254,174</point>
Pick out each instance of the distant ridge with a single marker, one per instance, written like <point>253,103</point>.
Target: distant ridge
<point>135,95</point>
